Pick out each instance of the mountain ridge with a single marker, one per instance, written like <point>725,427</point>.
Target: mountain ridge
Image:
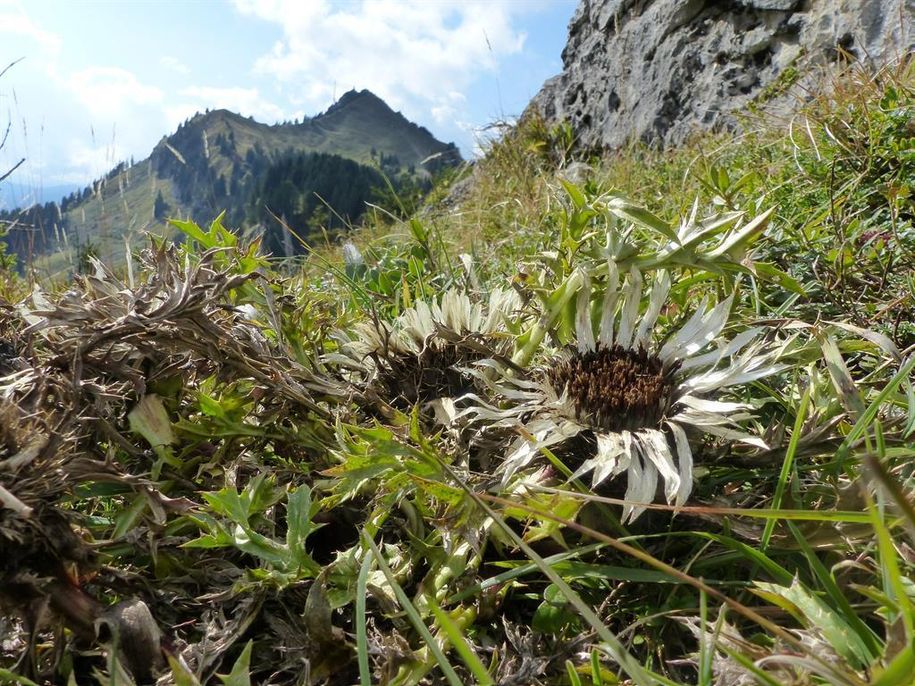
<point>212,162</point>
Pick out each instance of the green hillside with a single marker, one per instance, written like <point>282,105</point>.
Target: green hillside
<point>213,163</point>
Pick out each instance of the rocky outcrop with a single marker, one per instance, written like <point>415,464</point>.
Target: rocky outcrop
<point>656,70</point>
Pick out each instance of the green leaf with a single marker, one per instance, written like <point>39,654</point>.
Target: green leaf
<point>575,194</point>
<point>776,275</point>
<point>817,613</point>
<point>8,677</point>
<point>299,526</point>
<point>192,230</point>
<point>210,406</point>
<point>463,648</point>
<point>900,671</point>
<point>127,518</point>
<point>240,674</point>
<point>639,215</point>
<point>554,613</point>
<point>180,673</point>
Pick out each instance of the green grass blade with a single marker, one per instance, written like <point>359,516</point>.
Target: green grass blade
<point>869,414</point>
<point>843,516</point>
<point>519,571</point>
<point>865,633</point>
<point>706,651</point>
<point>787,466</point>
<point>362,644</point>
<point>894,585</point>
<point>456,637</point>
<point>413,615</point>
<point>763,561</point>
<point>9,677</point>
<point>901,670</point>
<point>574,679</point>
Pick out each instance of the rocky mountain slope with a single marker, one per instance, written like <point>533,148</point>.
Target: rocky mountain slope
<point>655,70</point>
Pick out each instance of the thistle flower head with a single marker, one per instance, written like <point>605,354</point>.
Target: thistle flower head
<point>421,355</point>
<point>635,395</point>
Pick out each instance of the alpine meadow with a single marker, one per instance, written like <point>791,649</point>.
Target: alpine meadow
<point>568,414</point>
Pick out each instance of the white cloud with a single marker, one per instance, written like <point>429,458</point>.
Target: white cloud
<point>446,109</point>
<point>13,20</point>
<point>174,64</point>
<point>112,91</point>
<point>245,101</point>
<point>88,161</point>
<point>416,54</point>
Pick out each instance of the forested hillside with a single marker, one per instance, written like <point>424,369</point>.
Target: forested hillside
<point>218,161</point>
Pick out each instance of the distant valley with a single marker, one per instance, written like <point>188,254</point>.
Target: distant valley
<point>314,174</point>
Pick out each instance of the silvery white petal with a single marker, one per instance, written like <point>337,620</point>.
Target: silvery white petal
<point>444,410</point>
<point>656,449</point>
<point>711,359</point>
<point>632,296</point>
<point>449,310</point>
<point>474,321</point>
<point>542,433</point>
<point>417,323</point>
<point>704,405</point>
<point>685,462</point>
<point>670,349</point>
<point>608,310</point>
<point>501,304</point>
<point>711,327</point>
<point>525,449</point>
<point>643,482</point>
<point>729,377</point>
<point>583,329</point>
<point>629,449</point>
<point>704,419</point>
<point>522,452</point>
<point>659,292</point>
<point>606,462</point>
<point>616,456</point>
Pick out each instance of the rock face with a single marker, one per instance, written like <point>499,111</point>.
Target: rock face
<point>656,70</point>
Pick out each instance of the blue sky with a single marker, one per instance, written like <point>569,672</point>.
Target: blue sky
<point>103,81</point>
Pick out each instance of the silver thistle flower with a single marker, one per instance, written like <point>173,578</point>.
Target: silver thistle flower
<point>636,396</point>
<point>421,356</point>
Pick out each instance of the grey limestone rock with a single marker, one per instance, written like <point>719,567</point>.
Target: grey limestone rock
<point>656,70</point>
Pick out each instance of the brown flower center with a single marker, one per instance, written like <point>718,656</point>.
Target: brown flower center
<point>615,388</point>
<point>411,379</point>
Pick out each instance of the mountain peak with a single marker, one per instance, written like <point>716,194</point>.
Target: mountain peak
<point>216,159</point>
<point>353,98</point>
